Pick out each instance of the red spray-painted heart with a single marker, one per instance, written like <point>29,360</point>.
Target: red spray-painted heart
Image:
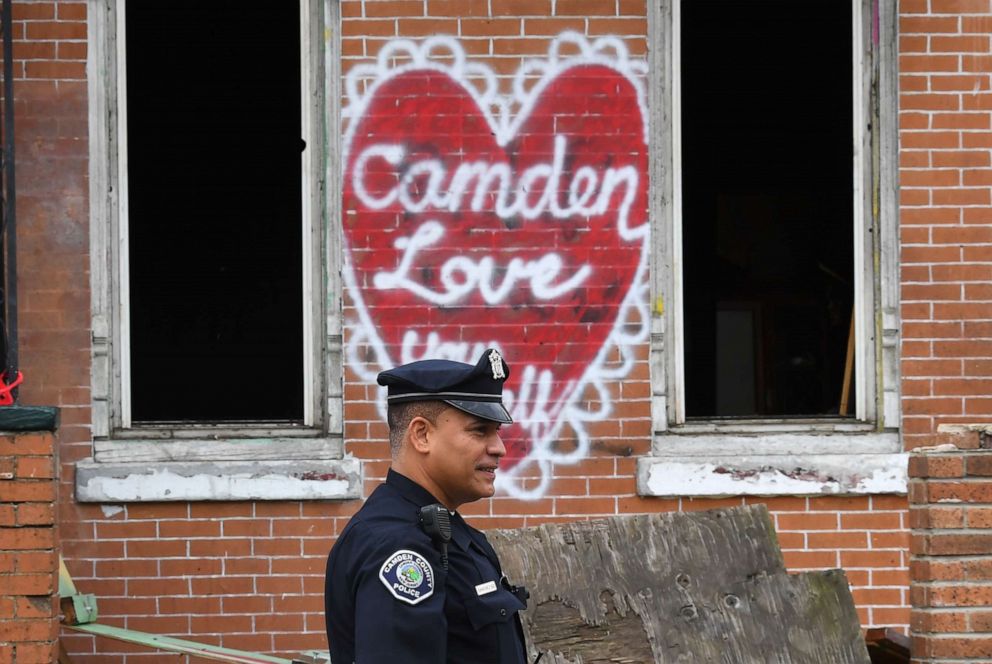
<point>458,243</point>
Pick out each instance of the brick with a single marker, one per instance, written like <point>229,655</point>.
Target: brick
<point>936,517</point>
<point>26,538</point>
<point>72,11</point>
<point>931,292</point>
<point>960,158</point>
<point>977,621</point>
<point>35,514</point>
<point>959,6</point>
<point>931,216</point>
<point>488,27</point>
<point>970,492</point>
<point>42,30</point>
<point>34,607</point>
<point>457,8</point>
<point>870,559</point>
<point>807,521</point>
<point>978,367</point>
<point>521,7</point>
<point>29,491</point>
<point>971,196</point>
<point>425,27</point>
<point>29,467</point>
<point>30,584</point>
<point>393,8</point>
<point>933,406</point>
<point>968,120</point>
<point>936,466</point>
<point>960,646</point>
<point>35,444</point>
<point>156,548</point>
<point>931,368</point>
<point>552,26</point>
<point>944,621</point>
<point>928,25</point>
<point>28,630</point>
<point>959,44</point>
<point>980,464</point>
<point>977,570</point>
<point>837,540</point>
<point>799,560</point>
<point>938,544</point>
<point>963,311</point>
<point>936,570</point>
<point>35,561</point>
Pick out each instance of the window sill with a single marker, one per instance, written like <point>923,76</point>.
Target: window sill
<point>691,462</point>
<point>250,446</point>
<point>218,480</point>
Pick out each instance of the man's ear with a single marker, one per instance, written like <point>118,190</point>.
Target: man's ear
<point>419,431</point>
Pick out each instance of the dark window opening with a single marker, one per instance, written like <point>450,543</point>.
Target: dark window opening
<point>215,212</point>
<point>767,222</point>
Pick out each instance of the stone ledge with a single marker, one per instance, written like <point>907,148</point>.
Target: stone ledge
<point>339,479</point>
<point>29,418</point>
<point>772,475</point>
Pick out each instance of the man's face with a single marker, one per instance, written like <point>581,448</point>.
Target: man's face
<point>464,454</point>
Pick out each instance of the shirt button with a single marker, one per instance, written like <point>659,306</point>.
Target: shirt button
<point>502,612</point>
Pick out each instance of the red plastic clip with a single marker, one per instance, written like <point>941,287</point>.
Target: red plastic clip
<point>6,398</point>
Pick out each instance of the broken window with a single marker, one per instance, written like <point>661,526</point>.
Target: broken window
<point>767,208</point>
<point>214,218</point>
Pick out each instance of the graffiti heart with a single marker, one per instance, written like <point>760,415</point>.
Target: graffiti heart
<point>477,219</point>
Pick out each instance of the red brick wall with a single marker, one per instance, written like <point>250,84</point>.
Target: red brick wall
<point>249,575</point>
<point>28,549</point>
<point>51,131</point>
<point>951,517</point>
<point>946,187</point>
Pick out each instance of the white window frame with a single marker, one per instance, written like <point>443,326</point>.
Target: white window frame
<point>216,461</point>
<point>782,456</point>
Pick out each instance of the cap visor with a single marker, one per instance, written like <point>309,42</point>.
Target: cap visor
<point>487,410</point>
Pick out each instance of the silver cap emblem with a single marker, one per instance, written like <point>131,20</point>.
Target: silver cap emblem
<point>496,362</point>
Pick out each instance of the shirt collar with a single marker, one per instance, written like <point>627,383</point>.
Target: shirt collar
<point>459,532</point>
<point>419,496</point>
<point>409,489</point>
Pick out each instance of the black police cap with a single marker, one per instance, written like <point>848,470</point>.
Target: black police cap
<point>477,390</point>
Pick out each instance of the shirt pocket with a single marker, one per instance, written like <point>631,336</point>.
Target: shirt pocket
<point>493,608</point>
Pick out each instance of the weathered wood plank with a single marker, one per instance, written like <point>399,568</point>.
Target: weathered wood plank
<point>700,587</point>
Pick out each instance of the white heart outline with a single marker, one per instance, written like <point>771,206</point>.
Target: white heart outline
<point>607,51</point>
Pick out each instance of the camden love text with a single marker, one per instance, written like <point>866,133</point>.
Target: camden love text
<point>427,184</point>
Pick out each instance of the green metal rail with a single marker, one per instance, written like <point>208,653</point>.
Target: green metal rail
<point>80,615</point>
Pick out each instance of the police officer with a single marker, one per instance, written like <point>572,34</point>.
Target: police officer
<point>396,591</point>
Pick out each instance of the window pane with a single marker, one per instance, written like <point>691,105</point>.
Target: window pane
<point>767,206</point>
<point>214,176</point>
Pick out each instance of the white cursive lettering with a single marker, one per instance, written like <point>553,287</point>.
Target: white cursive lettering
<point>428,184</point>
<point>460,275</point>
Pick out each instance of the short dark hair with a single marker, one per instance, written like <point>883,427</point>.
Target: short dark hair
<point>399,416</point>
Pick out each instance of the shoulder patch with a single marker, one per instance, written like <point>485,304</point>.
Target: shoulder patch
<point>408,576</point>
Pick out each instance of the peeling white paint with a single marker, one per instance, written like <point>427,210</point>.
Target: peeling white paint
<point>97,482</point>
<point>110,511</point>
<point>773,475</point>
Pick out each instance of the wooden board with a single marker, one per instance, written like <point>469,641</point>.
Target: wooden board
<point>680,587</point>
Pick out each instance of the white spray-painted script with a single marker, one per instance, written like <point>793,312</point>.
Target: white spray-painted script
<point>589,192</point>
<point>460,275</point>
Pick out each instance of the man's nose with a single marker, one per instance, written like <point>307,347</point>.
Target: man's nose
<point>496,447</point>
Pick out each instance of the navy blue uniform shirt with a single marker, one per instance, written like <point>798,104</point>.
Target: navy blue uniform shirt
<point>389,601</point>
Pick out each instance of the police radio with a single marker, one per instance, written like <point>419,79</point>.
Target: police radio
<point>436,521</point>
